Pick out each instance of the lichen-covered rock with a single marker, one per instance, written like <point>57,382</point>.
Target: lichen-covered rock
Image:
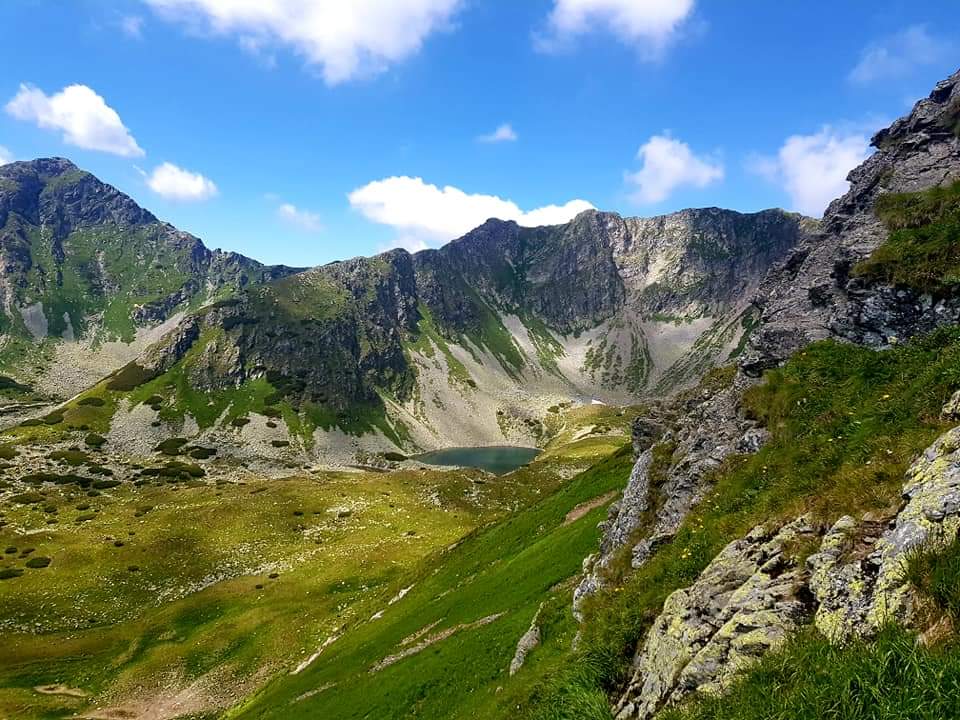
<point>747,601</point>
<point>951,410</point>
<point>859,580</point>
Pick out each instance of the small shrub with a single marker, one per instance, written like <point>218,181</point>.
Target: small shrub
<point>105,484</point>
<point>95,441</point>
<point>85,517</point>
<point>202,453</point>
<point>28,498</point>
<point>171,446</point>
<point>8,573</point>
<point>280,443</point>
<point>92,401</point>
<point>54,418</point>
<point>240,422</point>
<point>70,457</point>
<point>130,376</point>
<point>38,562</point>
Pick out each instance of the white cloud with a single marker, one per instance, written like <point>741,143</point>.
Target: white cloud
<point>84,118</point>
<point>426,214</point>
<point>132,26</point>
<point>5,156</point>
<point>649,24</point>
<point>813,169</point>
<point>504,133</point>
<point>174,183</point>
<point>667,164</point>
<point>303,219</point>
<point>897,55</point>
<point>346,39</point>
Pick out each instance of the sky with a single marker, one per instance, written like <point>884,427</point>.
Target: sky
<point>306,131</point>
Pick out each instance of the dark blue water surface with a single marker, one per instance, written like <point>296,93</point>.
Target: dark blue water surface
<point>498,459</point>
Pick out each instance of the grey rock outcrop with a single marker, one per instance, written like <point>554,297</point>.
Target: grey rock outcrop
<point>858,575</point>
<point>527,643</point>
<point>746,602</point>
<point>951,409</point>
<point>812,296</point>
<point>709,428</point>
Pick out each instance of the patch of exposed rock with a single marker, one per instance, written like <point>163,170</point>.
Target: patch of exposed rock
<point>859,592</point>
<point>527,643</point>
<point>812,294</point>
<point>747,601</point>
<point>710,428</point>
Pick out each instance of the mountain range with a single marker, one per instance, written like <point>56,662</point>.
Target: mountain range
<point>745,506</point>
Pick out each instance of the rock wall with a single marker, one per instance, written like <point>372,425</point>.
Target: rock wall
<point>753,595</point>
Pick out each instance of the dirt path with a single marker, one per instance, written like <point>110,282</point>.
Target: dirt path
<point>583,508</point>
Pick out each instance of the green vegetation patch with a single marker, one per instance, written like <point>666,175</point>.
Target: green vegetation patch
<point>38,562</point>
<point>171,446</point>
<point>935,573</point>
<point>92,401</point>
<point>890,678</point>
<point>923,250</point>
<point>130,377</point>
<point>74,458</point>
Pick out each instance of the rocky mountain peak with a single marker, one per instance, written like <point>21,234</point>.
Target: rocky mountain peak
<point>812,295</point>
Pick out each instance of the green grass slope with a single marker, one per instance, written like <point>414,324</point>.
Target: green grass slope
<point>467,610</point>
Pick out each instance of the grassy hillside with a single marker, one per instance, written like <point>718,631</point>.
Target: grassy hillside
<point>196,592</point>
<point>846,423</point>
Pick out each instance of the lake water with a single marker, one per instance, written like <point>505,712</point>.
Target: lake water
<point>498,459</point>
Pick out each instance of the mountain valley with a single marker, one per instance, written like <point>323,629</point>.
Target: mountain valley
<point>744,502</point>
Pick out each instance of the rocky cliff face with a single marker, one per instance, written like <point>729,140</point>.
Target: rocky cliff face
<point>753,594</point>
<point>813,294</point>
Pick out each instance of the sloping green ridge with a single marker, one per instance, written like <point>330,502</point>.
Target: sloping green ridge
<point>507,568</point>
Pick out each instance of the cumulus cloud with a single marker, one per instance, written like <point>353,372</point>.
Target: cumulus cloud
<point>345,39</point>
<point>302,219</point>
<point>504,133</point>
<point>83,117</point>
<point>648,24</point>
<point>5,156</point>
<point>175,183</point>
<point>896,56</point>
<point>812,169</point>
<point>667,164</point>
<point>426,214</point>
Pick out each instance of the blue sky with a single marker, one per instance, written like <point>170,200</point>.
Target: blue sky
<point>304,131</point>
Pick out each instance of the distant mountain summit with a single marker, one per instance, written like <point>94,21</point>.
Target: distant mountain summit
<point>78,258</point>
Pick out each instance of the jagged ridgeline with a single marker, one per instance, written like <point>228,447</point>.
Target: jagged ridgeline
<point>469,343</point>
<point>81,260</point>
